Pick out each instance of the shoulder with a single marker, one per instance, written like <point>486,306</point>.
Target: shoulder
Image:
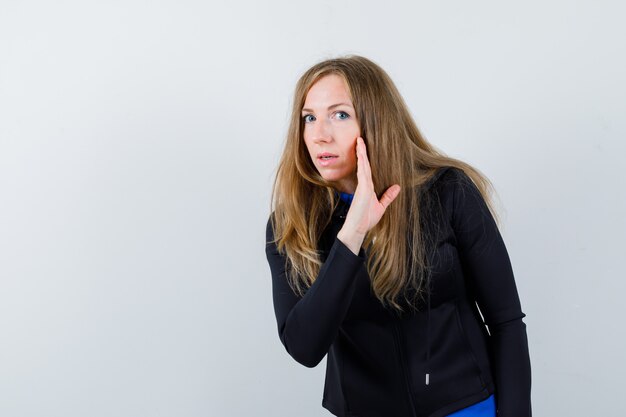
<point>447,180</point>
<point>457,193</point>
<point>452,175</point>
<point>269,229</point>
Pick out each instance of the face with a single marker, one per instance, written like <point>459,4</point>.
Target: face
<point>331,130</point>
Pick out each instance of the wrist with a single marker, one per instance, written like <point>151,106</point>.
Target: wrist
<point>352,239</point>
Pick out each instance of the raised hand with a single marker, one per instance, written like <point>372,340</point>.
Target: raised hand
<point>366,209</point>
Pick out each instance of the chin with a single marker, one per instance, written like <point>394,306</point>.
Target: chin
<point>331,178</point>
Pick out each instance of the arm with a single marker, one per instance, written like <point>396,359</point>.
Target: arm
<point>308,325</point>
<point>489,277</point>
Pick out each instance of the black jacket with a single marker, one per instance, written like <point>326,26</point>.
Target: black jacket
<point>427,363</point>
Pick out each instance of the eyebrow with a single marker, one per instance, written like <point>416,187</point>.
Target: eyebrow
<point>331,107</point>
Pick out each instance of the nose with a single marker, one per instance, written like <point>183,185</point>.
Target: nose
<point>321,131</point>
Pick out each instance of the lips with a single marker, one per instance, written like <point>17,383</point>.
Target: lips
<point>325,156</point>
<point>326,159</point>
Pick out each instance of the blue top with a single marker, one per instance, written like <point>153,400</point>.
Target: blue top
<point>346,197</point>
<point>485,408</point>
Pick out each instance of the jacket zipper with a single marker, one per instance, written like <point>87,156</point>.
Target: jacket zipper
<point>404,369</point>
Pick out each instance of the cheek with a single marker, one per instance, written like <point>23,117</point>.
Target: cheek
<point>351,156</point>
<point>353,163</point>
<point>307,146</point>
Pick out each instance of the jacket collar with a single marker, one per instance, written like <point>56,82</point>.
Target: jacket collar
<point>343,204</point>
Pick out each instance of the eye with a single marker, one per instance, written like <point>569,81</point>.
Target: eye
<point>342,113</point>
<point>306,119</point>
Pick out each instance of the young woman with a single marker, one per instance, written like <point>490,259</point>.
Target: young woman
<point>385,255</point>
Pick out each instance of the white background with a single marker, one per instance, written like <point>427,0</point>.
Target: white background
<point>138,144</point>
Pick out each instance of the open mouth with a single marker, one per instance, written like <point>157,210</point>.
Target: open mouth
<point>326,159</point>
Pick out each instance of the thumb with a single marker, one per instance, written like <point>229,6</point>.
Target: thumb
<point>389,195</point>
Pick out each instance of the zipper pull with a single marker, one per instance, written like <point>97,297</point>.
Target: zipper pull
<point>427,378</point>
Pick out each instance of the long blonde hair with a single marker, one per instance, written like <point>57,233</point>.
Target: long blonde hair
<point>303,202</point>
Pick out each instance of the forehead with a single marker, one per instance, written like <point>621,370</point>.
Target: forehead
<point>328,90</point>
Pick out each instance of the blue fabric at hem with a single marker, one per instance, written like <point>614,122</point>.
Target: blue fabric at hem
<point>485,408</point>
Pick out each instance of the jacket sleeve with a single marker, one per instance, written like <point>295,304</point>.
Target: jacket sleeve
<point>308,325</point>
<point>489,277</point>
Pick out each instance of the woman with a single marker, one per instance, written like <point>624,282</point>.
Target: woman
<point>384,253</point>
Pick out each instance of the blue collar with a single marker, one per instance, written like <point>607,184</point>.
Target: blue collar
<point>346,197</point>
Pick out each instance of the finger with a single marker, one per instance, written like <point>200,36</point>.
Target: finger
<point>367,171</point>
<point>389,195</point>
<point>361,164</point>
<point>364,155</point>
